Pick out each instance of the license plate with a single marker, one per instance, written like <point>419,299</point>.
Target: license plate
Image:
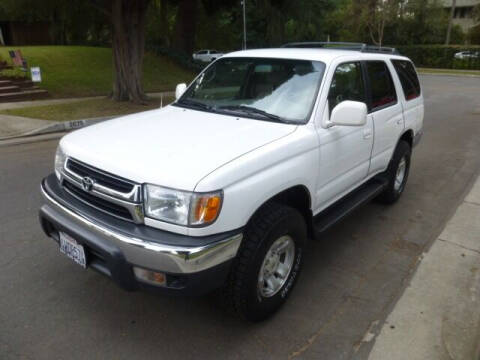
<point>72,249</point>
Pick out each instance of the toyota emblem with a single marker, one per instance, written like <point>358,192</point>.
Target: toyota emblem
<point>87,183</point>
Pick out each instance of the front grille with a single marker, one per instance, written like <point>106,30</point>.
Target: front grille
<point>100,177</point>
<point>97,202</point>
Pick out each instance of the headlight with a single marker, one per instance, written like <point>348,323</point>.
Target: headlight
<point>60,159</point>
<point>182,207</point>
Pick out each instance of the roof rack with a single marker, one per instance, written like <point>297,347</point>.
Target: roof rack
<point>343,46</point>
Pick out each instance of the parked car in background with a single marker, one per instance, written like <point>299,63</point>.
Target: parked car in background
<point>207,55</point>
<point>467,55</point>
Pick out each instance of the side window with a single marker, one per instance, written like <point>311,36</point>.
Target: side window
<point>381,85</point>
<point>408,78</point>
<point>347,84</point>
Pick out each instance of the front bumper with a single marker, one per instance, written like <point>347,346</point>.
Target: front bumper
<point>192,265</point>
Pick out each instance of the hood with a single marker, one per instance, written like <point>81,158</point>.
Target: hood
<point>173,146</point>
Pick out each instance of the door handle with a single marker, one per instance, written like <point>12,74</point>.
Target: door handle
<point>399,121</point>
<point>367,133</point>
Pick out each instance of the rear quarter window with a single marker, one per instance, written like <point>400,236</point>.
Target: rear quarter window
<point>408,78</point>
<point>382,89</point>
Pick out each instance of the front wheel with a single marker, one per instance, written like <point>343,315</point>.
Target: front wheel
<point>397,173</point>
<point>268,262</point>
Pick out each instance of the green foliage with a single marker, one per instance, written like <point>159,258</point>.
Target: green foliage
<point>474,35</point>
<point>408,22</point>
<point>88,71</point>
<point>72,21</point>
<point>14,73</point>
<point>270,23</point>
<point>440,56</point>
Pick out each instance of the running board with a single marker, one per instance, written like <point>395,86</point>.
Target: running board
<point>345,206</point>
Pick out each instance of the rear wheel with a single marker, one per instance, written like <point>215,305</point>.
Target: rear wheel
<point>268,262</point>
<point>397,173</point>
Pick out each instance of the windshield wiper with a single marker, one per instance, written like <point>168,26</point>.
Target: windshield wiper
<point>194,104</point>
<point>253,110</point>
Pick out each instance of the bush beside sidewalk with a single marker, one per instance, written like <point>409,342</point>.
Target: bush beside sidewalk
<point>438,316</point>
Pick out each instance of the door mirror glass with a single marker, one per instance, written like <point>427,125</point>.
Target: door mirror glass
<point>349,113</point>
<point>180,90</point>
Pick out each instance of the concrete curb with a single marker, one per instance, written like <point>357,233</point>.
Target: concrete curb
<point>61,126</point>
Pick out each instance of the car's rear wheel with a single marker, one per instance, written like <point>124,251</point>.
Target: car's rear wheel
<point>268,262</point>
<point>397,173</point>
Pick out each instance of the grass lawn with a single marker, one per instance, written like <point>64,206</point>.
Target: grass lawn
<point>75,71</point>
<point>85,109</point>
<point>448,71</point>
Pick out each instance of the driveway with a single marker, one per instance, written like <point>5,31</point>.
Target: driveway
<point>50,308</point>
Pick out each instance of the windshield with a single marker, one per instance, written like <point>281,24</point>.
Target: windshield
<point>282,90</point>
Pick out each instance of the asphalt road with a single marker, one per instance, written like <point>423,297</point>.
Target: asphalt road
<point>50,308</point>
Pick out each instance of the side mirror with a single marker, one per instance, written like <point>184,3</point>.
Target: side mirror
<point>349,113</point>
<point>180,90</point>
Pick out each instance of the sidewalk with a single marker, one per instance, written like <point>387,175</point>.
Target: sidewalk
<point>438,316</point>
<point>14,126</point>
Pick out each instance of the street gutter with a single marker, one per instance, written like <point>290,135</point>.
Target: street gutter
<point>61,126</point>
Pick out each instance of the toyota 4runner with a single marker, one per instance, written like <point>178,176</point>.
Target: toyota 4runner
<point>221,189</point>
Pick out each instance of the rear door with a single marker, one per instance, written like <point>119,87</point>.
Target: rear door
<point>411,97</point>
<point>386,110</point>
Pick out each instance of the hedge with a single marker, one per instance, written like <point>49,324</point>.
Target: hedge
<point>433,56</point>
<point>440,56</point>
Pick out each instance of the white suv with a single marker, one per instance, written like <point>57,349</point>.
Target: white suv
<point>206,55</point>
<point>222,189</point>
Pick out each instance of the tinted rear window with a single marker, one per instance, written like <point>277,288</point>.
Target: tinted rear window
<point>408,78</point>
<point>381,85</point>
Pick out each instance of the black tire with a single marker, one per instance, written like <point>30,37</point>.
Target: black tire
<point>241,292</point>
<point>393,193</point>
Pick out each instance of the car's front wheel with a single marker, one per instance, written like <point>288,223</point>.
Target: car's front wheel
<point>268,262</point>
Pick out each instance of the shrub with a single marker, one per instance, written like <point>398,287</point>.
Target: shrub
<point>14,73</point>
<point>441,56</point>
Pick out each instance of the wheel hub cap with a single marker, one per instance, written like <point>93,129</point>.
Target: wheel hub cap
<point>276,266</point>
<point>400,176</point>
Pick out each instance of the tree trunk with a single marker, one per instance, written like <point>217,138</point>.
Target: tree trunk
<point>128,46</point>
<point>450,21</point>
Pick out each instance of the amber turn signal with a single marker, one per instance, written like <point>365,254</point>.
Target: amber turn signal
<point>206,209</point>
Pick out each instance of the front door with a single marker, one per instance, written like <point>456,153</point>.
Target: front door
<point>344,150</point>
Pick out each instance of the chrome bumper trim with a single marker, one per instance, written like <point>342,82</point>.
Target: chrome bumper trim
<point>154,256</point>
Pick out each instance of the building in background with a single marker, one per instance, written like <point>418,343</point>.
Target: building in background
<point>463,15</point>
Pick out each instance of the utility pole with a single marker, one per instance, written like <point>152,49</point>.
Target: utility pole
<point>450,20</point>
<point>244,26</point>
